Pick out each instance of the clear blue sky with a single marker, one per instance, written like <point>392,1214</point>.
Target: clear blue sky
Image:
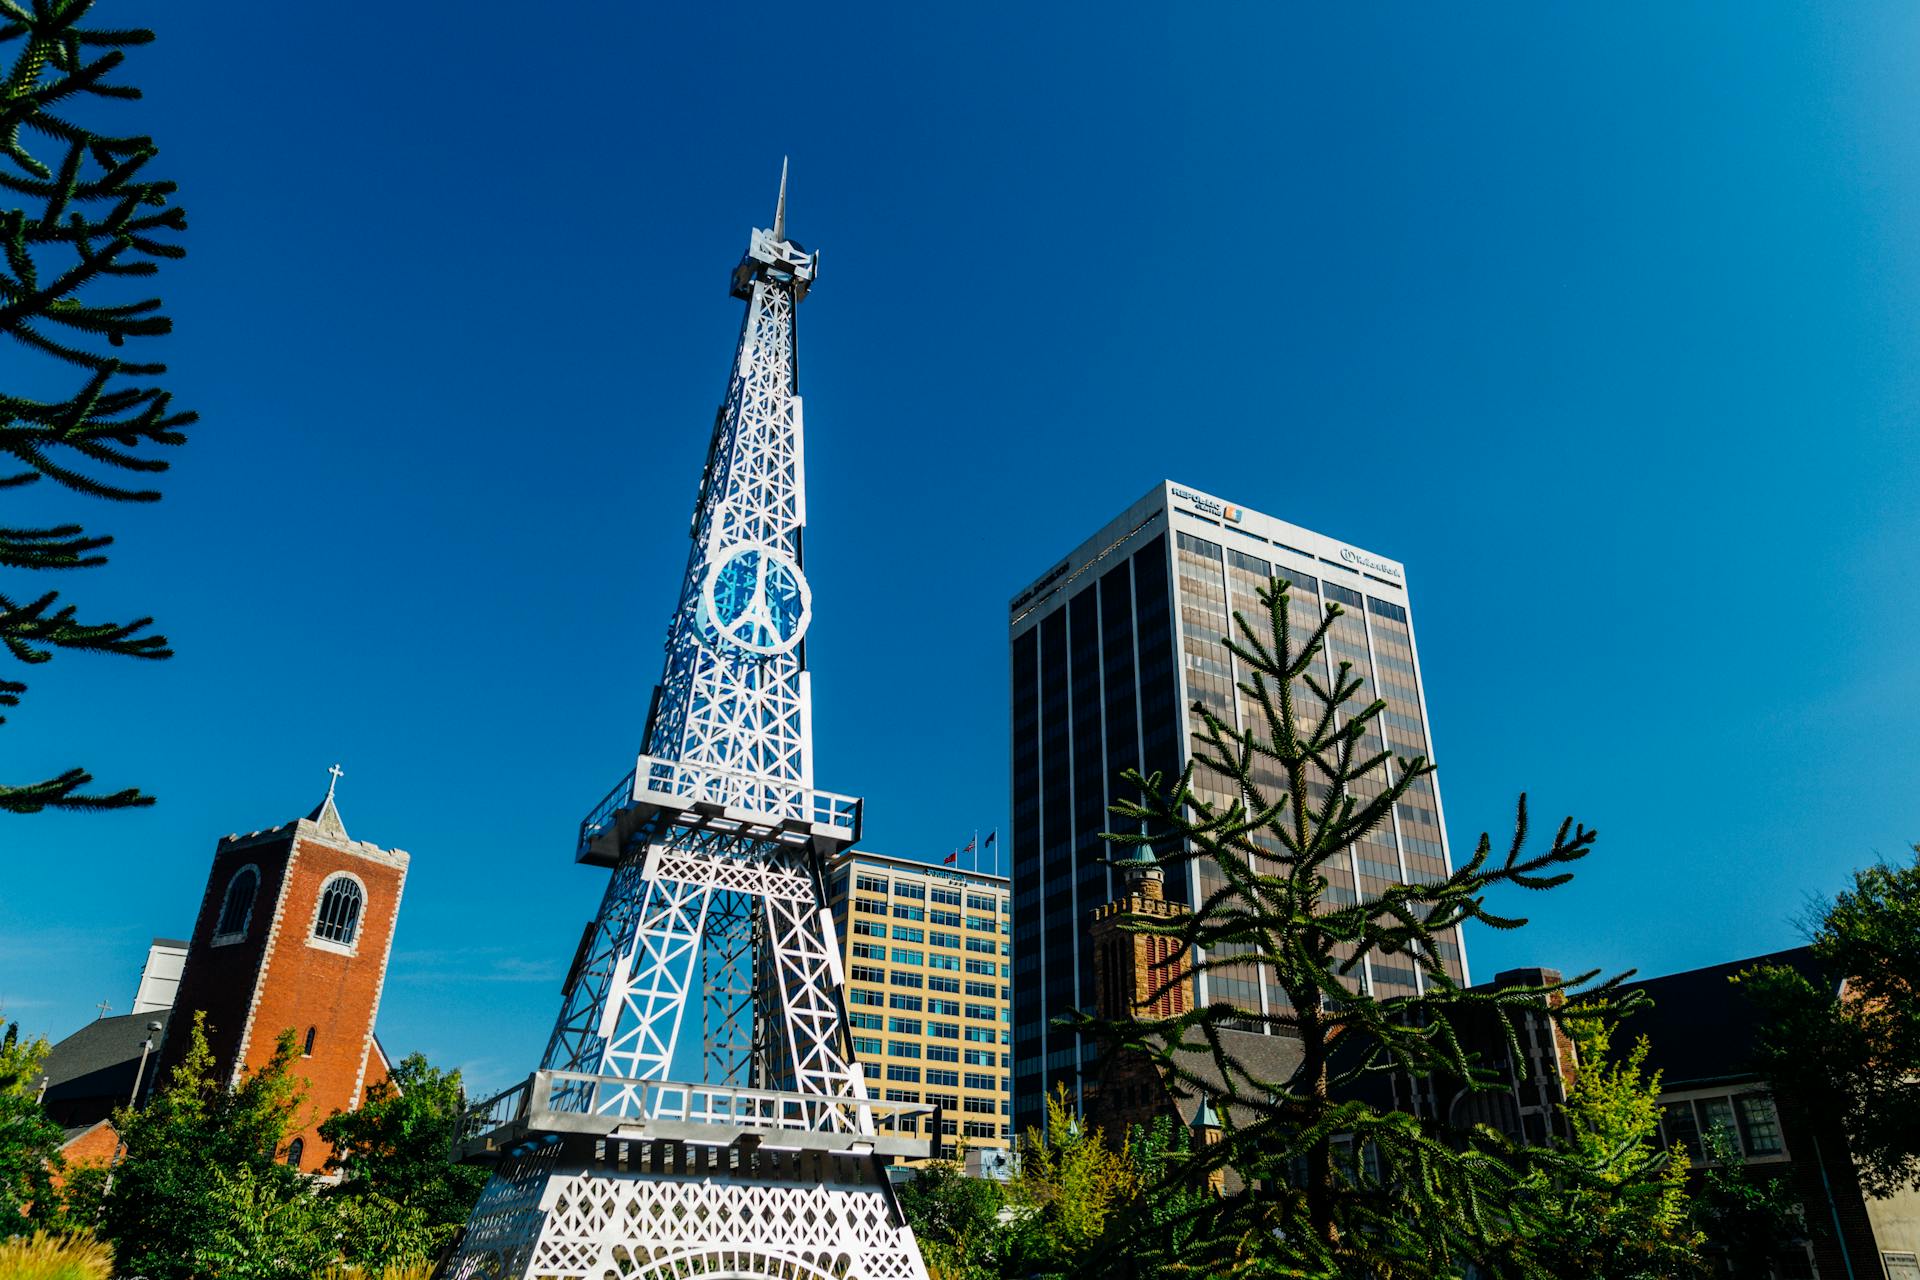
<point>1603,321</point>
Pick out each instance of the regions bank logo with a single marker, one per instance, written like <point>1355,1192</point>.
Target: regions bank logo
<point>1232,512</point>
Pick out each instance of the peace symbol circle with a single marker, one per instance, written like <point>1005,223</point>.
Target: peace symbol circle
<point>754,598</point>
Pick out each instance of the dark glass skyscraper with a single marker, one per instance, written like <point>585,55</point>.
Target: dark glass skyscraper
<point>1110,648</point>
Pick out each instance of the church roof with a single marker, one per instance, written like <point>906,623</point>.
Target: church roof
<point>91,1071</point>
<point>1262,1056</point>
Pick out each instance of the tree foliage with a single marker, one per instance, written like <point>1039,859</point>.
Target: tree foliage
<point>29,1140</point>
<point>1749,1218</point>
<point>1854,1061</point>
<point>1273,813</point>
<point>1069,1184</point>
<point>201,1188</point>
<point>400,1198</point>
<point>1172,1196</point>
<point>956,1221</point>
<point>87,219</point>
<point>1628,1217</point>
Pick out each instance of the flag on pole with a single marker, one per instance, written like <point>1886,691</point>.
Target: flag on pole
<point>952,857</point>
<point>969,846</point>
<point>992,836</point>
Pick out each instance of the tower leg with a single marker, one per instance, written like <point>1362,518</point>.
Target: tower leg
<point>647,996</point>
<point>808,979</point>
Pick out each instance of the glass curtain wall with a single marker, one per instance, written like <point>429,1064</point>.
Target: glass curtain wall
<point>1214,583</point>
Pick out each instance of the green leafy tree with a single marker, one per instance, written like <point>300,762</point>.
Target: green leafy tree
<point>403,1198</point>
<point>1629,1217</point>
<point>1271,812</point>
<point>87,218</point>
<point>29,1139</point>
<point>1749,1218</point>
<point>1854,1061</point>
<point>83,1194</point>
<point>201,1189</point>
<point>1069,1185</point>
<point>262,1225</point>
<point>956,1220</point>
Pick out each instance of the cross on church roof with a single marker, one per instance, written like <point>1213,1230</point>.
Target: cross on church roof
<point>105,1007</point>
<point>325,813</point>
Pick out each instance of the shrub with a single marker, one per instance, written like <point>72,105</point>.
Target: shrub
<point>43,1256</point>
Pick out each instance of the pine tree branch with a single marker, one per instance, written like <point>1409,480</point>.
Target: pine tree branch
<point>87,212</point>
<point>60,547</point>
<point>63,792</point>
<point>33,630</point>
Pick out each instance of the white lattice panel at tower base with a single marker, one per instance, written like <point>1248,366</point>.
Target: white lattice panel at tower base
<point>632,1226</point>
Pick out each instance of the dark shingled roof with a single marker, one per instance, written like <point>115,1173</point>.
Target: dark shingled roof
<point>91,1071</point>
<point>1700,1027</point>
<point>1264,1057</point>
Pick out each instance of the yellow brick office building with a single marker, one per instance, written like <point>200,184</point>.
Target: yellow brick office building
<point>928,956</point>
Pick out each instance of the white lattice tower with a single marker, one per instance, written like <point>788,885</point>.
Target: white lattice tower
<point>767,1159</point>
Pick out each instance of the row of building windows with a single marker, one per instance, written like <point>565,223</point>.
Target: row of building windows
<point>864,882</point>
<point>1746,1126</point>
<point>901,1073</point>
<point>943,1052</point>
<point>923,915</point>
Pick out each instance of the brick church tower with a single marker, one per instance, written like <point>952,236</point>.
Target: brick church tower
<point>1131,969</point>
<point>293,934</point>
<point>1135,975</point>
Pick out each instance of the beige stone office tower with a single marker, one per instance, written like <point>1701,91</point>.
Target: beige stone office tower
<point>927,950</point>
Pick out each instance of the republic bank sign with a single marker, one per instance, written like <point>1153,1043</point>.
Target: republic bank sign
<point>1210,506</point>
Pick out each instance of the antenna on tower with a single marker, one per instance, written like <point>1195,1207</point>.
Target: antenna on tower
<point>780,208</point>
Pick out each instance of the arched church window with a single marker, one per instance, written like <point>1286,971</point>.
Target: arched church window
<point>296,1149</point>
<point>339,919</point>
<point>236,909</point>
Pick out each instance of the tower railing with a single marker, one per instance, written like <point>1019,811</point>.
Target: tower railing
<point>575,1102</point>
<point>723,794</point>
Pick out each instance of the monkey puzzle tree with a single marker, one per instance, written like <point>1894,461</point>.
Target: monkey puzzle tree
<point>86,218</point>
<point>1328,1184</point>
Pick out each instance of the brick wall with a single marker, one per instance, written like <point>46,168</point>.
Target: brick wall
<point>220,980</point>
<point>95,1146</point>
<point>307,984</point>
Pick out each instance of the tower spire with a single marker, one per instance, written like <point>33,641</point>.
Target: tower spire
<point>780,206</point>
<point>326,813</point>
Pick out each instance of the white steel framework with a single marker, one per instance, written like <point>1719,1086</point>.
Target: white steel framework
<point>770,1163</point>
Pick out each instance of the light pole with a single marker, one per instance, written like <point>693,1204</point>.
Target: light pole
<point>146,1047</point>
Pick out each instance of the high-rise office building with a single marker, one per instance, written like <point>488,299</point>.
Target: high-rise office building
<point>927,956</point>
<point>1112,647</point>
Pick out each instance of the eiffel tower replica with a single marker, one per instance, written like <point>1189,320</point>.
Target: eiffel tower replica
<point>633,1153</point>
